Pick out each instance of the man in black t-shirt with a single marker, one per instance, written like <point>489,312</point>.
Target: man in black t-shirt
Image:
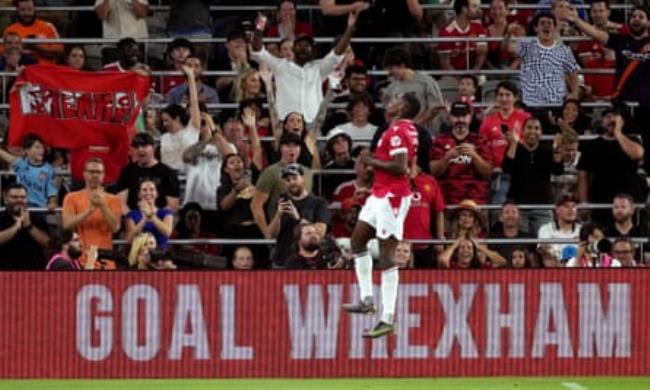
<point>295,207</point>
<point>312,252</point>
<point>509,227</point>
<point>632,62</point>
<point>623,218</point>
<point>608,166</point>
<point>23,235</point>
<point>632,53</point>
<point>147,167</point>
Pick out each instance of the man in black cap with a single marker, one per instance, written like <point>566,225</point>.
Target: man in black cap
<point>296,206</point>
<point>270,186</point>
<point>147,166</point>
<point>462,161</point>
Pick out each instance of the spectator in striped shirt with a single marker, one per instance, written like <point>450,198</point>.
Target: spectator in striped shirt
<point>548,69</point>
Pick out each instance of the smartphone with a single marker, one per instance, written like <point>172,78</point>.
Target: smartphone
<point>504,128</point>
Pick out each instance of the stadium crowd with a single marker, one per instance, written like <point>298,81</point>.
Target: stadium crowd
<point>287,163</point>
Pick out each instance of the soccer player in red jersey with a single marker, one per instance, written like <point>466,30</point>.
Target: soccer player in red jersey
<point>384,212</point>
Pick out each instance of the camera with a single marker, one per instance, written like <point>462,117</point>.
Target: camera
<point>600,246</point>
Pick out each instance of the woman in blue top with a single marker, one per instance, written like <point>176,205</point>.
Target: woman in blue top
<point>148,218</point>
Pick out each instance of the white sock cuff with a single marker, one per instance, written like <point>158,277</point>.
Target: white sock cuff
<point>363,260</point>
<point>390,273</point>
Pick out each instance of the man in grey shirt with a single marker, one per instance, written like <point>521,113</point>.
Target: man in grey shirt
<point>397,62</point>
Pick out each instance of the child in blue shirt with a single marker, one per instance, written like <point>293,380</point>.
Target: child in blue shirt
<point>34,173</point>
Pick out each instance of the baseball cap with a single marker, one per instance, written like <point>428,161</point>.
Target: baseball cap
<point>141,139</point>
<point>290,138</point>
<point>568,197</point>
<point>335,132</point>
<point>292,170</point>
<point>459,108</point>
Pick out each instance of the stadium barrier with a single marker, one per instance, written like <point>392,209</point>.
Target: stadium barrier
<point>290,324</point>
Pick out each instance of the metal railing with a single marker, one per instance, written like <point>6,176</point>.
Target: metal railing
<point>299,7</point>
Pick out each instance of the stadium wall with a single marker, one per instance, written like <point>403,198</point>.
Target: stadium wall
<point>290,324</point>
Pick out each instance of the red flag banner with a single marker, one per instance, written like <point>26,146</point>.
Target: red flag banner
<point>74,109</point>
<point>290,324</point>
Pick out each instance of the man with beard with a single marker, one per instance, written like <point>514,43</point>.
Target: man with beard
<point>608,165</point>
<point>623,214</point>
<point>530,165</point>
<point>67,259</point>
<point>29,26</point>
<point>462,161</point>
<point>270,186</point>
<point>547,67</point>
<point>295,207</point>
<point>311,252</point>
<point>299,81</point>
<point>22,235</point>
<point>467,23</point>
<point>508,227</point>
<point>632,62</point>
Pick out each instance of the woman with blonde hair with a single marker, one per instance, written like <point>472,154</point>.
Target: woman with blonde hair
<point>140,254</point>
<point>247,85</point>
<point>141,247</point>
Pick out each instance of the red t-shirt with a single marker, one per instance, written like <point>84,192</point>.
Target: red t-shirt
<point>427,198</point>
<point>342,194</point>
<point>594,55</point>
<point>400,137</point>
<point>457,50</point>
<point>491,130</point>
<point>461,179</point>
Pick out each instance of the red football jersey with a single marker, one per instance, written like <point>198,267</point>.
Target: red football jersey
<point>427,198</point>
<point>400,137</point>
<point>458,51</point>
<point>491,129</point>
<point>593,55</point>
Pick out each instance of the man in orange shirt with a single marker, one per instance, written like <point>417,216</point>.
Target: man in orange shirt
<point>93,213</point>
<point>28,26</point>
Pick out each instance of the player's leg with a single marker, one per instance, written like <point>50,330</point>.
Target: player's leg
<point>362,233</point>
<point>390,228</point>
<point>389,286</point>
